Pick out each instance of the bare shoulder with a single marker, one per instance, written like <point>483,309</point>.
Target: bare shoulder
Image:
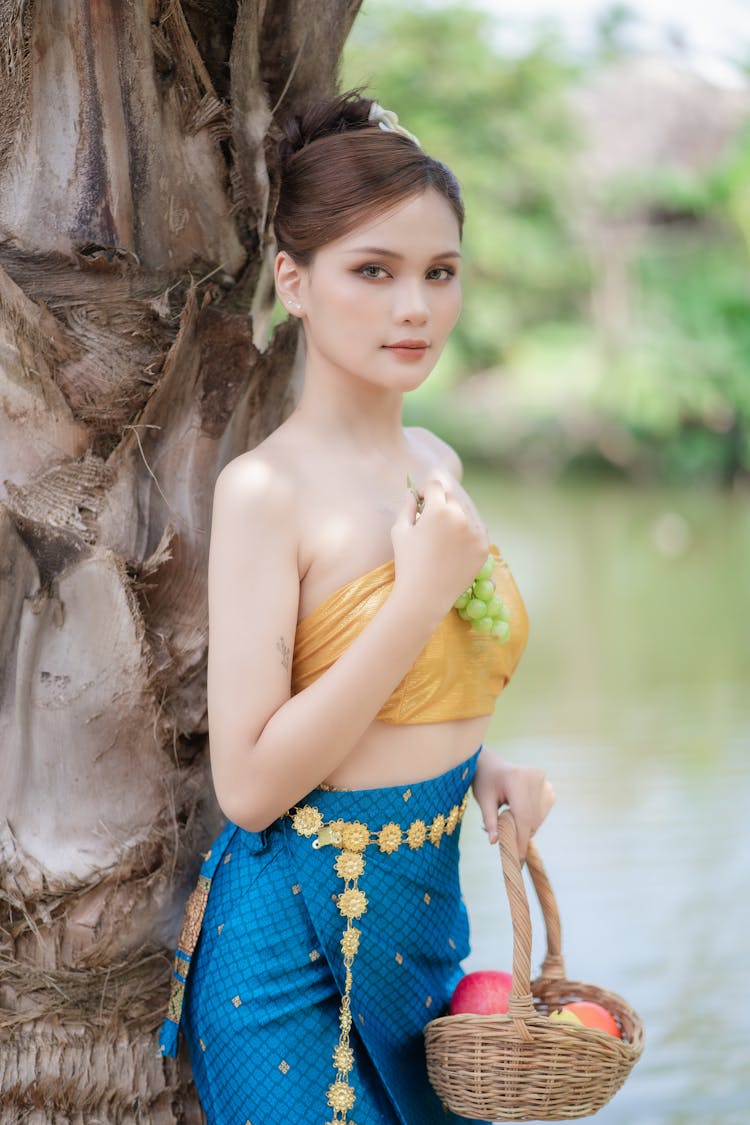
<point>440,449</point>
<point>255,518</point>
<point>260,477</point>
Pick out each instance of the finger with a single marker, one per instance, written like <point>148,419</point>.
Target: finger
<point>524,828</point>
<point>471,509</point>
<point>489,809</point>
<point>458,495</point>
<point>435,488</point>
<point>523,842</point>
<point>449,482</point>
<point>408,512</point>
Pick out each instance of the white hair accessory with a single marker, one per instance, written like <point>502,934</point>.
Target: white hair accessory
<point>388,120</point>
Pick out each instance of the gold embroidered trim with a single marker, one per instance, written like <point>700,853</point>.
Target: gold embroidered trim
<point>353,838</point>
<point>176,998</point>
<point>195,908</point>
<point>192,921</point>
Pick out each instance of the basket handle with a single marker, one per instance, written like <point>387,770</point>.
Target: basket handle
<point>520,1004</point>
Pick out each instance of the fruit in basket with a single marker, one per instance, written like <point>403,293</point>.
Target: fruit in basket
<point>484,993</point>
<point>562,1015</point>
<point>593,1015</point>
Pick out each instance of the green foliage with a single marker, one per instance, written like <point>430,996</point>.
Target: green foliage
<point>730,187</point>
<point>682,384</point>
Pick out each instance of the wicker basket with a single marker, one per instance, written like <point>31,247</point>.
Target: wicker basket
<point>523,1066</point>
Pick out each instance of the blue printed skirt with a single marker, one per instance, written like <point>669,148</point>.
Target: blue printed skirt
<point>313,953</point>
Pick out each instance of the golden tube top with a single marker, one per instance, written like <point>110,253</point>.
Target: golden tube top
<point>457,675</point>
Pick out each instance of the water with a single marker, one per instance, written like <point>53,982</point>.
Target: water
<point>634,696</point>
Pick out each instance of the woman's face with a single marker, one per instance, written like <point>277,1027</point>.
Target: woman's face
<point>393,280</point>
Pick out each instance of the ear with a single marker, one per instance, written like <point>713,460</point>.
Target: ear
<point>288,276</point>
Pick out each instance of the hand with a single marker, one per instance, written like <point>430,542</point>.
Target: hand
<point>438,553</point>
<point>524,789</point>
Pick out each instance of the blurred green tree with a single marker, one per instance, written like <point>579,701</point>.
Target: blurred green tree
<point>682,384</point>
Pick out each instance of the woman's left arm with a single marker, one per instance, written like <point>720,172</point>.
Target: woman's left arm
<point>524,789</point>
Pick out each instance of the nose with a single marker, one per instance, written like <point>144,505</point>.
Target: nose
<point>411,305</point>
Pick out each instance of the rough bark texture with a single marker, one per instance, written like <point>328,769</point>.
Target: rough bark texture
<point>135,301</point>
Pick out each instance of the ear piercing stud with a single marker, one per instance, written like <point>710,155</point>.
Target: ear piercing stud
<point>296,304</point>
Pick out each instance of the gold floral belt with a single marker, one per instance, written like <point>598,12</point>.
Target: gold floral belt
<point>353,838</point>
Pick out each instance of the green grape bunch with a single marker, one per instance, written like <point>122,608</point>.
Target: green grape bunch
<point>485,610</point>
<point>479,604</point>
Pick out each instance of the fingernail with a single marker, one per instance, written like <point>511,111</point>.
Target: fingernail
<point>493,836</point>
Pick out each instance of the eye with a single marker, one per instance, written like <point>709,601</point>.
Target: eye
<point>372,271</point>
<point>447,271</point>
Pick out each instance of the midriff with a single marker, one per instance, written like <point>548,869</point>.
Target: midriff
<point>398,754</point>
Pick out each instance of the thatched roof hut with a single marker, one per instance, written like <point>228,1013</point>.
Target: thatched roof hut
<point>645,115</point>
<point>642,121</point>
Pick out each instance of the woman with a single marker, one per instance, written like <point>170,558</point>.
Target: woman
<point>347,699</point>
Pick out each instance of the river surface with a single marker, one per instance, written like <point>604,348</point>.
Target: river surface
<point>634,696</point>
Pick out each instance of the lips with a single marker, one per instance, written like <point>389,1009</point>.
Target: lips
<point>415,344</point>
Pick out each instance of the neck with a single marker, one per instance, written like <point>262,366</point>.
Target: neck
<point>345,409</point>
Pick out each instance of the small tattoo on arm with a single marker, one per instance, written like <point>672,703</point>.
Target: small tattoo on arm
<point>283,648</point>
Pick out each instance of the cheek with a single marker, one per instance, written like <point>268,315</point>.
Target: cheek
<point>344,318</point>
<point>347,302</point>
<point>450,309</point>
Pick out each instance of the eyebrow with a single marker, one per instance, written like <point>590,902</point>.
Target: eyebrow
<point>384,253</point>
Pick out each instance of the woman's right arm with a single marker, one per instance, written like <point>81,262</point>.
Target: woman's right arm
<point>269,748</point>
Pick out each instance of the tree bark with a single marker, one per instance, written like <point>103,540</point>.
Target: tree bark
<point>136,294</point>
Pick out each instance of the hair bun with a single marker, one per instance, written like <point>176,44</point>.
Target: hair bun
<point>323,119</point>
<point>342,161</point>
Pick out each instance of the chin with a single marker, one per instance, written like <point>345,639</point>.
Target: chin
<point>408,382</point>
<point>412,375</point>
<point>417,381</point>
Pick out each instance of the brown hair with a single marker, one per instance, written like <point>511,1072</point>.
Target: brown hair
<point>338,168</point>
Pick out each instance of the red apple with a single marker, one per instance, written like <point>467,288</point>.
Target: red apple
<point>484,993</point>
<point>594,1015</point>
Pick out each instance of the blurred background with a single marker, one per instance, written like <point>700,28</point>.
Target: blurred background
<point>597,388</point>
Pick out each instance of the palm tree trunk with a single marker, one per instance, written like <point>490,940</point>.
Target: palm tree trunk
<point>135,301</point>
